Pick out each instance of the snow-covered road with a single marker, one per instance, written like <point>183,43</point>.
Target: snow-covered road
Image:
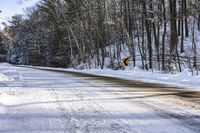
<point>39,101</point>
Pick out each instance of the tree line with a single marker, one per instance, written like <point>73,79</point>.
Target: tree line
<point>66,33</point>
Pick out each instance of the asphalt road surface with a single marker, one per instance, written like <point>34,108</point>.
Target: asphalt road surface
<point>39,101</point>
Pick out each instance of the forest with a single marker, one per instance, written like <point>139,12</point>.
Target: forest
<point>159,35</point>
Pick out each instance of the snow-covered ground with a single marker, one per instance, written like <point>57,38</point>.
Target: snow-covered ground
<point>3,77</point>
<point>40,101</point>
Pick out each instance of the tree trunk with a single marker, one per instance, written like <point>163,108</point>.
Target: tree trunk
<point>163,37</point>
<point>173,27</point>
<point>186,22</point>
<point>148,32</point>
<point>182,28</point>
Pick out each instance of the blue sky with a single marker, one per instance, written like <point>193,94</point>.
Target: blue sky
<point>12,7</point>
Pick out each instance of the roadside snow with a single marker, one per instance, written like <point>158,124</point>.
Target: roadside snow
<point>184,79</point>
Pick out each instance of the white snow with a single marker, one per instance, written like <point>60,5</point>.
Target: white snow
<point>4,78</point>
<point>5,67</point>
